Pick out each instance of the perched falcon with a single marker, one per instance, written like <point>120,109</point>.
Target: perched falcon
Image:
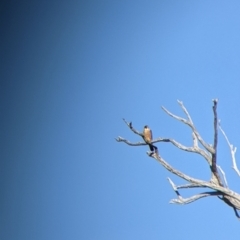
<point>147,136</point>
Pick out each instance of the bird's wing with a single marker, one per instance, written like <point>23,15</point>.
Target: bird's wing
<point>150,134</point>
<point>147,135</point>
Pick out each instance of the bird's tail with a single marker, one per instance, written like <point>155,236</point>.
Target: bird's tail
<point>151,147</point>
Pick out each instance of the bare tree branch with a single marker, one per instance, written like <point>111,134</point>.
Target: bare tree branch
<point>209,153</point>
<point>194,149</point>
<point>215,174</point>
<point>181,200</point>
<point>195,141</point>
<point>189,186</point>
<point>120,139</point>
<point>214,154</point>
<point>224,175</point>
<point>196,197</point>
<point>190,124</point>
<point>133,129</point>
<point>233,150</point>
<point>236,213</point>
<point>213,186</point>
<point>185,111</point>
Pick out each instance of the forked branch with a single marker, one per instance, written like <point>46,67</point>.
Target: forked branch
<point>208,152</point>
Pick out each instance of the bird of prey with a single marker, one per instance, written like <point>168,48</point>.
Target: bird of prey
<point>147,137</point>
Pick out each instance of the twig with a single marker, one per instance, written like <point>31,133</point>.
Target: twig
<point>189,186</point>
<point>120,139</point>
<point>236,213</point>
<point>174,187</point>
<point>132,128</point>
<point>194,197</point>
<point>185,111</point>
<point>223,174</point>
<point>233,150</point>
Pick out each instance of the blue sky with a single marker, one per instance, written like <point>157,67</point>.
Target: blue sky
<point>71,70</point>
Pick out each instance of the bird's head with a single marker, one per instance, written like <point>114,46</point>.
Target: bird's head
<point>146,126</point>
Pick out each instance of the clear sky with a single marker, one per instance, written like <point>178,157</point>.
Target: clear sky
<point>70,71</point>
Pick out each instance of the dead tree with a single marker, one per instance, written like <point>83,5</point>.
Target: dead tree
<point>217,185</point>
